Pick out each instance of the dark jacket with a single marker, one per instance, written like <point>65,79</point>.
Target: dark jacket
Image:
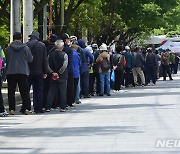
<point>18,55</point>
<point>50,48</point>
<point>151,59</point>
<point>69,52</point>
<point>58,62</point>
<point>96,65</point>
<point>138,60</point>
<point>39,64</point>
<point>128,57</point>
<point>118,61</point>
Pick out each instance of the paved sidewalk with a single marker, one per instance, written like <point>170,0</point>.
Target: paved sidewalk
<point>128,122</point>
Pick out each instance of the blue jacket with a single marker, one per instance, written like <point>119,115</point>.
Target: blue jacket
<point>76,63</point>
<point>128,57</point>
<point>88,55</point>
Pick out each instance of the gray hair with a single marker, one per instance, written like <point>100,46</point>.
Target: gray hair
<point>59,44</point>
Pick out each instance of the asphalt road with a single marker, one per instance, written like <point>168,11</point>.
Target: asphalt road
<point>131,121</point>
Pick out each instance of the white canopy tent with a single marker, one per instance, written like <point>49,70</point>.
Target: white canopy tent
<point>173,46</point>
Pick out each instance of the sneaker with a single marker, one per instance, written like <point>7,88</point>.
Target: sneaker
<point>48,110</point>
<point>171,79</point>
<point>2,114</point>
<point>62,110</point>
<point>72,106</point>
<point>108,94</point>
<point>28,112</point>
<point>12,112</point>
<point>78,102</point>
<point>6,113</point>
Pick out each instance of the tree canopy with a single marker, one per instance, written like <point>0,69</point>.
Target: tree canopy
<point>106,19</point>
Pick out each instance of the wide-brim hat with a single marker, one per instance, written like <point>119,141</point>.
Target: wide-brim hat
<point>34,34</point>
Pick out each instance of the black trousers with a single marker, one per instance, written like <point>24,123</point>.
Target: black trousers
<point>165,71</point>
<point>1,97</point>
<point>70,89</point>
<point>57,88</point>
<point>118,79</point>
<point>94,77</point>
<point>127,77</point>
<point>22,81</point>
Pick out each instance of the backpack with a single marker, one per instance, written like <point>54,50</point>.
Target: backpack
<point>105,65</point>
<point>121,62</point>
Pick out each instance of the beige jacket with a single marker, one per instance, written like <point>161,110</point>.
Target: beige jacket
<point>100,59</point>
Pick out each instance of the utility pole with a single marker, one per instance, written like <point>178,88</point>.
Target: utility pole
<point>15,19</point>
<point>85,31</point>
<point>50,17</point>
<point>45,22</point>
<point>62,14</point>
<point>27,18</point>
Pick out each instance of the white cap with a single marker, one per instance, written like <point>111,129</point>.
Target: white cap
<point>127,48</point>
<point>103,47</point>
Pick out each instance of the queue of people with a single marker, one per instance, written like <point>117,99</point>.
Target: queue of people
<point>62,71</point>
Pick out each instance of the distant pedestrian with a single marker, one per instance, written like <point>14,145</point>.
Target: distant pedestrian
<point>151,64</point>
<point>18,55</point>
<point>50,48</point>
<point>58,62</point>
<point>118,66</point>
<point>165,65</point>
<point>103,61</point>
<point>3,112</point>
<point>176,63</point>
<point>70,82</point>
<point>128,67</point>
<point>138,63</point>
<point>85,69</point>
<point>38,70</point>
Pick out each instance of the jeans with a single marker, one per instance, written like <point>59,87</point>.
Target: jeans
<point>37,82</point>
<point>22,81</point>
<point>104,80</point>
<point>85,83</point>
<point>78,90</point>
<point>76,81</point>
<point>57,87</point>
<point>1,97</point>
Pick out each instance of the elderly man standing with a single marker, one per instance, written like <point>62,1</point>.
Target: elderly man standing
<point>58,62</point>
<point>18,55</point>
<point>38,70</point>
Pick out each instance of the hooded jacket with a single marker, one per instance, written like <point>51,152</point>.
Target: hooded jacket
<point>18,55</point>
<point>89,58</point>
